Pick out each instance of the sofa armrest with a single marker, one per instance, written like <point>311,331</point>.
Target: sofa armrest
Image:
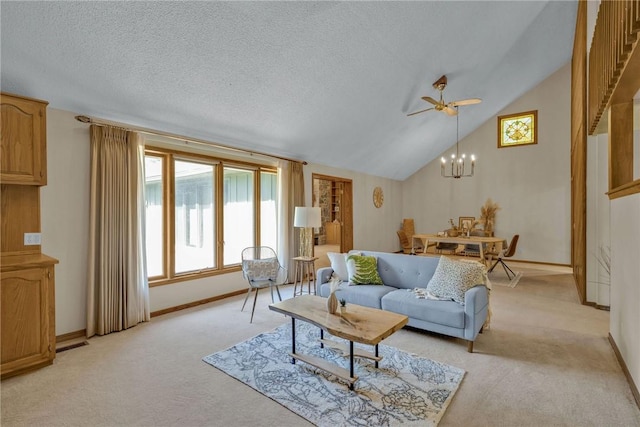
<point>323,275</point>
<point>476,301</point>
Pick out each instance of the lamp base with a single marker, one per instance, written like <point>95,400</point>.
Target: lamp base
<point>306,242</point>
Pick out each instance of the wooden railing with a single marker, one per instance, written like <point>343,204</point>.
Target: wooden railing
<point>614,38</point>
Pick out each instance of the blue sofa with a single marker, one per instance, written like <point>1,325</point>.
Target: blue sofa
<point>401,273</point>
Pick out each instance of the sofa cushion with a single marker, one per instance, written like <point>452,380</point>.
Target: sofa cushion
<point>339,265</point>
<point>363,270</point>
<point>404,301</point>
<point>453,278</point>
<point>367,295</point>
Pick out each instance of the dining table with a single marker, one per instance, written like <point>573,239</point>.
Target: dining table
<point>480,241</point>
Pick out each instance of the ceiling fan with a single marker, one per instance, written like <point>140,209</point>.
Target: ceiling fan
<point>447,107</point>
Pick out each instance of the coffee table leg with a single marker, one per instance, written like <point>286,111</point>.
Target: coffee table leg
<point>293,339</point>
<point>351,363</point>
<point>321,337</point>
<point>376,356</point>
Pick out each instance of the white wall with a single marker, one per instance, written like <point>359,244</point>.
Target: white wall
<point>624,320</point>
<point>64,213</point>
<point>598,217</point>
<point>532,184</point>
<point>373,228</point>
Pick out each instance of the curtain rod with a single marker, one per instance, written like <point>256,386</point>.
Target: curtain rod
<point>90,120</point>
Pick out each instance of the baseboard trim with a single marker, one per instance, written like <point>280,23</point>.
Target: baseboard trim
<point>524,261</point>
<point>71,336</point>
<point>196,303</point>
<point>625,370</point>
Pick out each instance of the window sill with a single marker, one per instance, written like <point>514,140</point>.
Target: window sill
<point>193,276</point>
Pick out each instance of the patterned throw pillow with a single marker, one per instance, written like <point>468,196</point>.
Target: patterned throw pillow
<point>261,269</point>
<point>453,278</point>
<point>363,270</point>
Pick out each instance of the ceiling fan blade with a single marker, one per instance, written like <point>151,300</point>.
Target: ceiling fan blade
<point>469,101</point>
<point>450,111</point>
<point>418,112</point>
<point>431,100</point>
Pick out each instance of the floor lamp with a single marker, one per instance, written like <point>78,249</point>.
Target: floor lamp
<point>306,219</point>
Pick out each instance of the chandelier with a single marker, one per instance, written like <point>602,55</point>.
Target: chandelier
<point>456,168</point>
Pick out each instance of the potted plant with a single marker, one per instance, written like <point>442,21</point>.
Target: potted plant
<point>343,305</point>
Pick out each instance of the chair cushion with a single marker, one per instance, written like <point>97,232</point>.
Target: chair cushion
<point>453,278</point>
<point>363,270</point>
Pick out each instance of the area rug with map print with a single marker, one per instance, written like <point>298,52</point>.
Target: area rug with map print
<point>406,389</point>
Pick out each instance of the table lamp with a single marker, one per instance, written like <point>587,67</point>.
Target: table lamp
<point>306,219</point>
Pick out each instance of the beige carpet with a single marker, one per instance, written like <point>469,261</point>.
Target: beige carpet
<point>545,361</point>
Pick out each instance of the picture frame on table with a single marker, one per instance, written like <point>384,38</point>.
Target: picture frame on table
<point>466,222</point>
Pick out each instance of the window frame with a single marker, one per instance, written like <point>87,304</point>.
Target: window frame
<point>168,199</point>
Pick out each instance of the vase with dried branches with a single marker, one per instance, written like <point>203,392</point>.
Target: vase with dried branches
<point>488,215</point>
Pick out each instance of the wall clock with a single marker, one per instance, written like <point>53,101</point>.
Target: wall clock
<point>378,197</point>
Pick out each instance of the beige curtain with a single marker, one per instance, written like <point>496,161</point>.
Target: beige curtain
<point>291,194</point>
<point>118,290</point>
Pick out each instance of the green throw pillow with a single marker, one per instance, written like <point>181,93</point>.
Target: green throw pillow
<point>363,270</point>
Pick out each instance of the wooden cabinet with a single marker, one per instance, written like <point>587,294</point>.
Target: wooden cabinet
<point>23,141</point>
<point>27,299</point>
<point>333,233</point>
<point>27,296</point>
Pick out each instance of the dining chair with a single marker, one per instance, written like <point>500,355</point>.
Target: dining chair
<point>404,242</point>
<point>507,252</point>
<point>473,249</point>
<point>408,226</point>
<point>261,268</point>
<point>451,247</point>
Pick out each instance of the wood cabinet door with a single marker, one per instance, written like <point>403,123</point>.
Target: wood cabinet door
<point>23,141</point>
<point>27,320</point>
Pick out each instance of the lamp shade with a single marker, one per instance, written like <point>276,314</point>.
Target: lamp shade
<point>307,217</point>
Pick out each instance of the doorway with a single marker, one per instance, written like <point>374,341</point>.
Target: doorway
<point>333,195</point>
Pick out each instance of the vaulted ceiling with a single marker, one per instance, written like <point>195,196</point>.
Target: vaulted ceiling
<point>326,82</point>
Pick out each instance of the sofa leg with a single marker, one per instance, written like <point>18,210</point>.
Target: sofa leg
<point>481,330</point>
<point>470,346</point>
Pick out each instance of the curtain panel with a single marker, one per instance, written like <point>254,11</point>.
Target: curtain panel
<point>291,194</point>
<point>118,290</point>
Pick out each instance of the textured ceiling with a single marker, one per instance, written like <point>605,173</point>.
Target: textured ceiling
<point>326,82</point>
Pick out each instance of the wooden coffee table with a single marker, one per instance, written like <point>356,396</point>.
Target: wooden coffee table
<point>359,324</point>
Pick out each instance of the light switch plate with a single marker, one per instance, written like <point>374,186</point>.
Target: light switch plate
<point>32,239</point>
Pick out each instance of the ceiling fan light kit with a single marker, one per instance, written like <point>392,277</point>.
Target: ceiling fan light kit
<point>448,107</point>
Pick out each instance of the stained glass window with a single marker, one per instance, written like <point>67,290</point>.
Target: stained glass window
<point>518,129</point>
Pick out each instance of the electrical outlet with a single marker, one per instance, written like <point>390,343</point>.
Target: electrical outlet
<point>32,239</point>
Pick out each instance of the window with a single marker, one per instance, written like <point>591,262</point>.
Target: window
<point>239,213</point>
<point>202,211</point>
<point>268,209</point>
<point>154,189</point>
<point>194,216</point>
<point>518,129</point>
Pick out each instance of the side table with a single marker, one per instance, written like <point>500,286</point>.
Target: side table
<point>305,270</point>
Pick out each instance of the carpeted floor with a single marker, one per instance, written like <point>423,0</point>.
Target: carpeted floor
<point>545,361</point>
<point>404,390</point>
